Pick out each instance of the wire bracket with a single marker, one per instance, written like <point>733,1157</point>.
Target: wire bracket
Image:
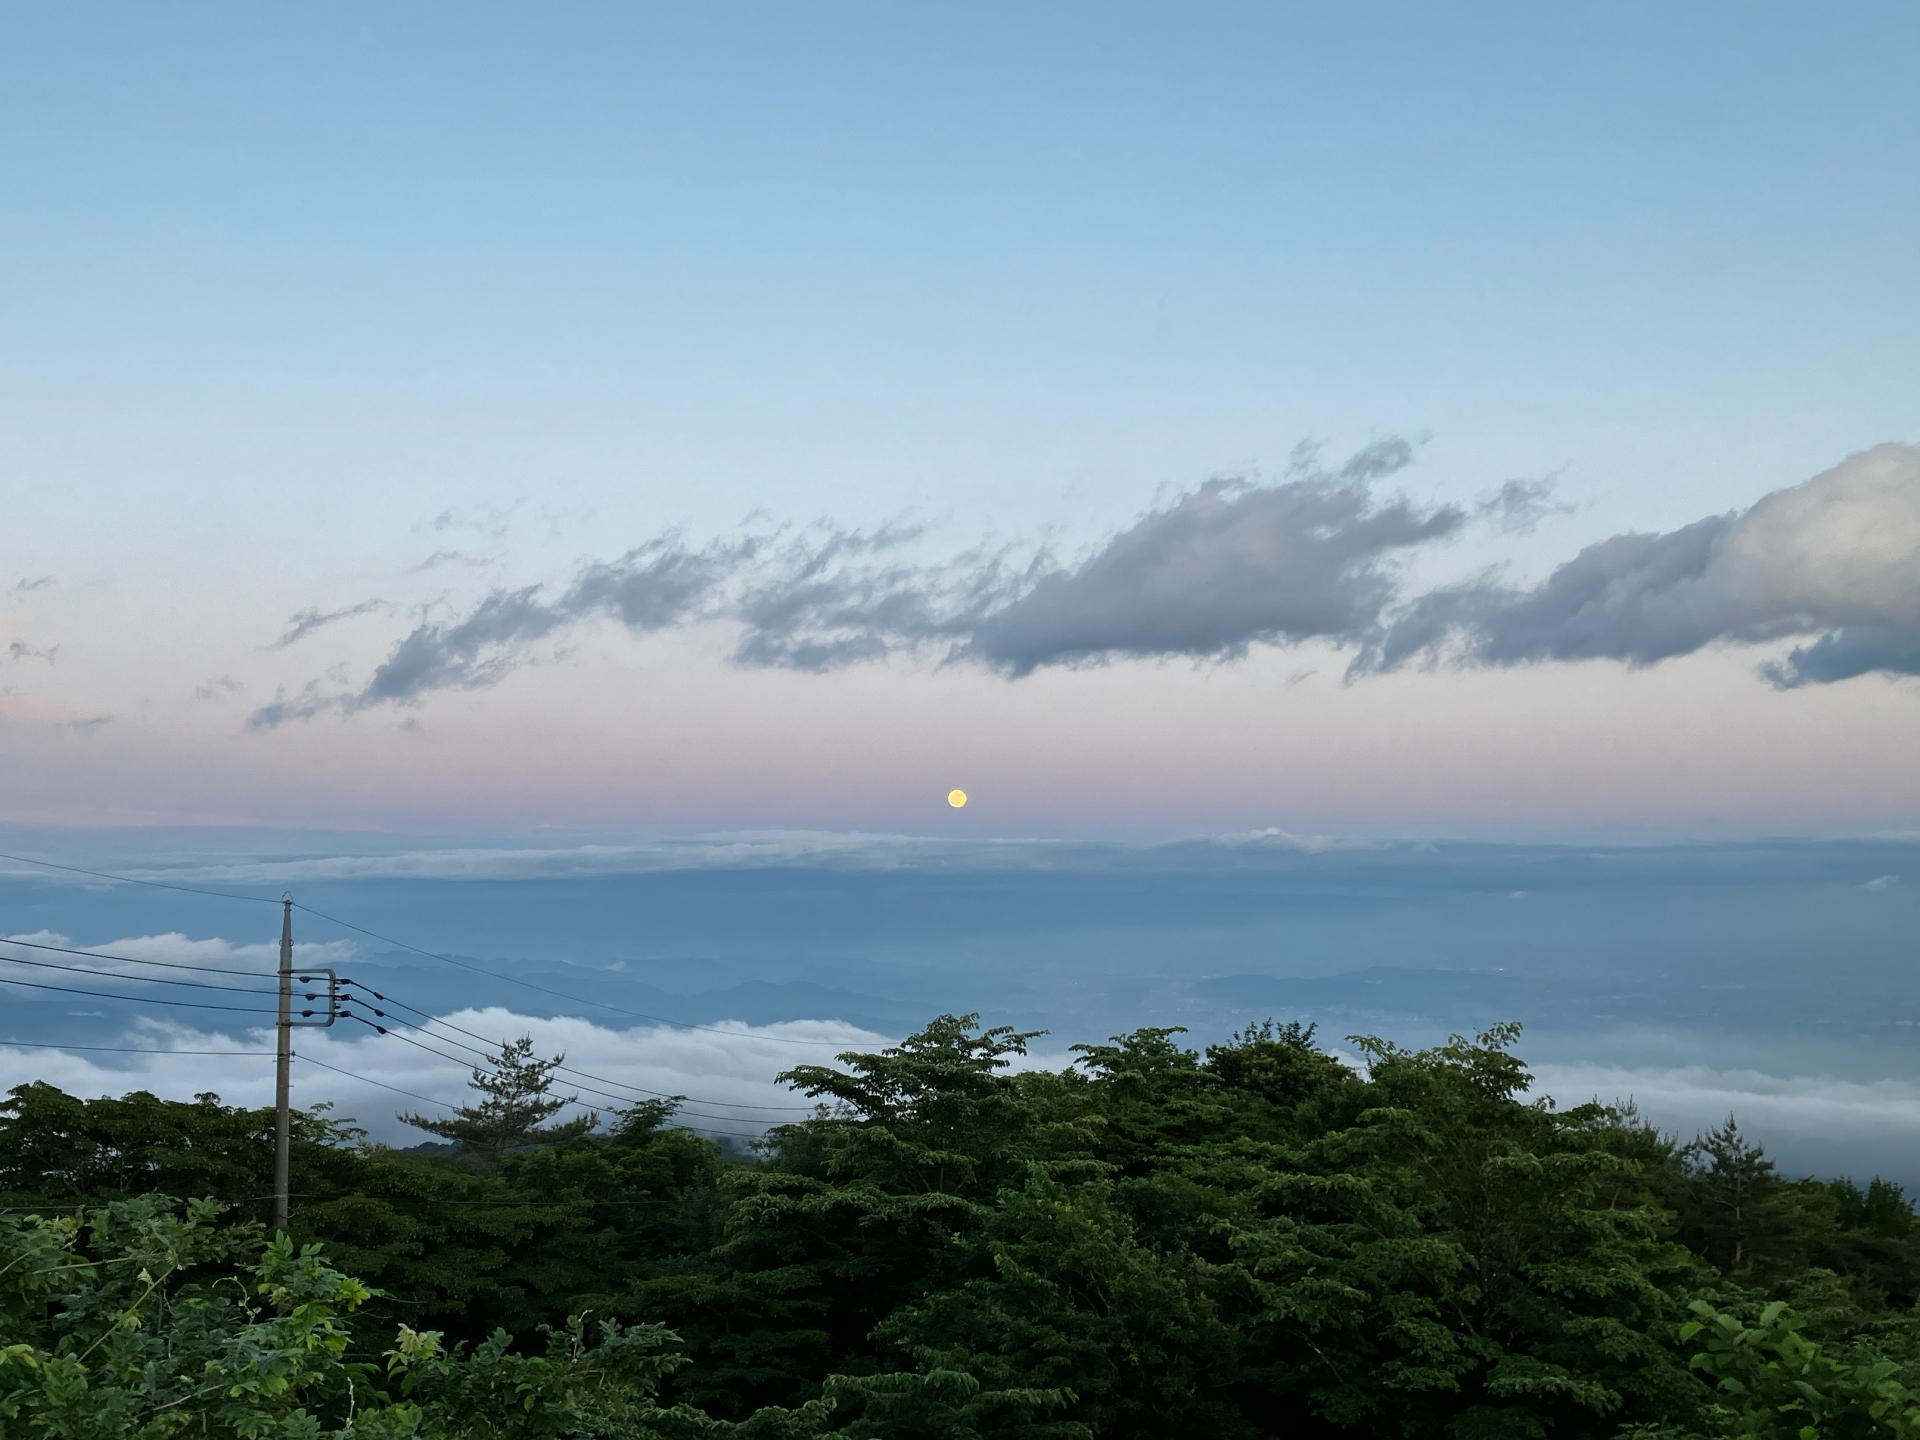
<point>331,994</point>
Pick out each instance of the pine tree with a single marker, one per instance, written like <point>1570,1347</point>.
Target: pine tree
<point>516,1104</point>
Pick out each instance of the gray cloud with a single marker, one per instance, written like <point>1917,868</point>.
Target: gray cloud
<point>1845,653</point>
<point>1221,568</point>
<point>304,706</point>
<point>1230,565</point>
<point>651,587</point>
<point>1225,567</point>
<point>1519,505</point>
<point>28,586</point>
<point>452,557</point>
<point>1218,569</point>
<point>1837,557</point>
<point>305,622</point>
<point>21,650</point>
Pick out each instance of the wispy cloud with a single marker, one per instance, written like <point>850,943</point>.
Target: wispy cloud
<point>763,850</point>
<point>304,622</point>
<point>1221,568</point>
<point>25,587</point>
<point>452,557</point>
<point>1225,567</point>
<point>21,650</point>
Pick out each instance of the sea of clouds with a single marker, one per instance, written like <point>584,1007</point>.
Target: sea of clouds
<point>729,1074</point>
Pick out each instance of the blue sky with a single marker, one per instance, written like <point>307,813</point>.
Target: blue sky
<point>378,314</point>
<point>306,301</point>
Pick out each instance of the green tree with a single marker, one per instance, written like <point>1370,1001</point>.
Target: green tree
<point>1154,1242</point>
<point>1772,1383</point>
<point>516,1107</point>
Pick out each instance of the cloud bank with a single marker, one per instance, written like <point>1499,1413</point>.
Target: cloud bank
<point>728,1074</point>
<point>1837,557</point>
<point>1228,566</point>
<point>726,1070</point>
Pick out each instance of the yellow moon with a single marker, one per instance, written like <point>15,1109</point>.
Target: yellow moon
<point>956,798</point>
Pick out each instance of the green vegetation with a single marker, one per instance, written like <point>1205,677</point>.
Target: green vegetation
<point>1249,1241</point>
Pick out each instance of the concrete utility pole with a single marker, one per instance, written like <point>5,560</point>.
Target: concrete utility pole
<point>282,1073</point>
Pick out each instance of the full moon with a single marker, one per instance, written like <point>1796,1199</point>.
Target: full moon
<point>956,798</point>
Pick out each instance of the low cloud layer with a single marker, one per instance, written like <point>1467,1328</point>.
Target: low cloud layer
<point>1817,1123</point>
<point>1835,561</point>
<point>1811,1122</point>
<point>1837,557</point>
<point>172,948</point>
<point>727,1070</point>
<point>811,850</point>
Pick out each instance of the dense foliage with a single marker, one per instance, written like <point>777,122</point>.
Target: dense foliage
<point>1248,1241</point>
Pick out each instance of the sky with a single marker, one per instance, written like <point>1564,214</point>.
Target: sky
<point>836,394</point>
<point>485,460</point>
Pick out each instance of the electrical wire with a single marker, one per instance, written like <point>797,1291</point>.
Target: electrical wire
<point>369,1080</point>
<point>83,970</point>
<point>394,1035</point>
<point>385,939</point>
<point>125,1049</point>
<point>138,999</point>
<point>133,959</point>
<point>133,979</point>
<point>544,990</point>
<point>621,1099</point>
<point>390,940</point>
<point>131,880</point>
<point>432,1019</point>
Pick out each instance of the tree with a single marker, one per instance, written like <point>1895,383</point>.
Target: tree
<point>517,1104</point>
<point>1773,1383</point>
<point>110,1328</point>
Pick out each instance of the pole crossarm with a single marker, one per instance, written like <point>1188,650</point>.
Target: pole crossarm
<point>331,994</point>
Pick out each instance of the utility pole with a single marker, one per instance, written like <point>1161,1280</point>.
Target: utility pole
<point>283,1068</point>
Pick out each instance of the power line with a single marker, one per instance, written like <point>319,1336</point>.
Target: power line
<point>133,959</point>
<point>303,1059</point>
<point>136,999</point>
<point>622,1099</point>
<point>123,1049</point>
<point>367,1079</point>
<point>352,1075</point>
<point>132,979</point>
<point>131,880</point>
<point>544,990</point>
<point>430,954</point>
<point>433,1019</point>
<point>564,1069</point>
